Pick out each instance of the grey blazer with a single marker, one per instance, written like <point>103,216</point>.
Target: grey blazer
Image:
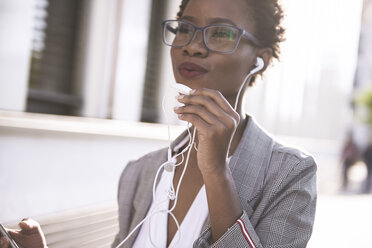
<point>276,185</point>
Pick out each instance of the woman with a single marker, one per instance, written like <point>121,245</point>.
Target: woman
<point>264,195</point>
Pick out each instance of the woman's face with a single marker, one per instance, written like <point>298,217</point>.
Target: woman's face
<point>223,72</point>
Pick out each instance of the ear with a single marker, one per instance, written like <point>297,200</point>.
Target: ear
<point>266,54</point>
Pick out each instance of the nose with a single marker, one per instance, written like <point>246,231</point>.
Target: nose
<point>197,46</point>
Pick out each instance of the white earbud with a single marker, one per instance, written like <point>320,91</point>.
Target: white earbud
<point>259,66</point>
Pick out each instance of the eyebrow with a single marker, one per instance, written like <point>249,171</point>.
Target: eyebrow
<point>211,20</point>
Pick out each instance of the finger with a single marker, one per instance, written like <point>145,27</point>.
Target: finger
<point>16,235</point>
<point>198,110</point>
<point>23,240</point>
<point>13,233</point>
<point>20,238</point>
<point>4,243</point>
<point>28,223</point>
<point>218,98</point>
<point>28,240</point>
<point>195,120</point>
<point>29,226</point>
<point>230,120</point>
<point>204,101</point>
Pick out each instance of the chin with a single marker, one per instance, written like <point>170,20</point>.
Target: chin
<point>195,83</point>
<point>192,84</point>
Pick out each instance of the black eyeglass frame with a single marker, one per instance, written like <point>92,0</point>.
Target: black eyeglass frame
<point>241,33</point>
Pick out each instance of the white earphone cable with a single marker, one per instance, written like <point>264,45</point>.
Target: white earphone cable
<point>175,194</point>
<point>171,194</point>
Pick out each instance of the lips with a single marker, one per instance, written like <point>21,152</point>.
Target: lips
<point>191,70</point>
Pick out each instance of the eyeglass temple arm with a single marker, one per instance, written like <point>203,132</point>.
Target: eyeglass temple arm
<point>171,29</point>
<point>251,38</point>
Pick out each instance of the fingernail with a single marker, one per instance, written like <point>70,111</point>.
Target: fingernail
<point>192,91</point>
<point>176,108</point>
<point>179,97</point>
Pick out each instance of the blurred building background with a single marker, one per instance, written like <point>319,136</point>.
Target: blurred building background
<point>82,82</point>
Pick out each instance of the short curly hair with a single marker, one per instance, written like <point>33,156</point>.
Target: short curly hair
<point>268,16</point>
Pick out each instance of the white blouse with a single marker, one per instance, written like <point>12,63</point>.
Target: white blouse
<point>157,225</point>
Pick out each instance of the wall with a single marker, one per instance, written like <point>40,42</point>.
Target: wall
<point>16,19</point>
<point>50,163</point>
<point>131,60</point>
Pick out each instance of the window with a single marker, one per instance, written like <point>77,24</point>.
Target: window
<point>51,84</point>
<point>150,108</point>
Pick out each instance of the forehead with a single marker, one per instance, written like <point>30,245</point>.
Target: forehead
<point>204,12</point>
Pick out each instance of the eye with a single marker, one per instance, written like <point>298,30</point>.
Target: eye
<point>223,33</point>
<point>184,29</point>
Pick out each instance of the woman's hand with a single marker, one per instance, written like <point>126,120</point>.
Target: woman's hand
<point>29,236</point>
<point>216,122</point>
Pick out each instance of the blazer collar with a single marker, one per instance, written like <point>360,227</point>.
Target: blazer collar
<point>142,201</point>
<point>251,159</point>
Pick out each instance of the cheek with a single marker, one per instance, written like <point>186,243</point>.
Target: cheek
<point>173,55</point>
<point>231,73</point>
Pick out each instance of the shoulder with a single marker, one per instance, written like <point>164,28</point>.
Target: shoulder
<point>291,166</point>
<point>274,156</point>
<point>287,157</point>
<point>144,165</point>
<point>148,160</point>
<point>269,163</point>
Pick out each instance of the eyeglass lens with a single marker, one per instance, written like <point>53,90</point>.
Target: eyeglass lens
<point>217,38</point>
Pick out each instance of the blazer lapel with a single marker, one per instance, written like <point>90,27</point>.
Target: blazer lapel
<point>143,198</point>
<point>250,161</point>
<point>249,164</point>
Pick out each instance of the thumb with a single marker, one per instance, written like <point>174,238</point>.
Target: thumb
<point>28,225</point>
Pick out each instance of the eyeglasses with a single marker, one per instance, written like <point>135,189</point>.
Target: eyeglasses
<point>219,38</point>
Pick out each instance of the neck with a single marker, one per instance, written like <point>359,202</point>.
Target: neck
<point>239,106</point>
<point>243,120</point>
<point>238,134</point>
